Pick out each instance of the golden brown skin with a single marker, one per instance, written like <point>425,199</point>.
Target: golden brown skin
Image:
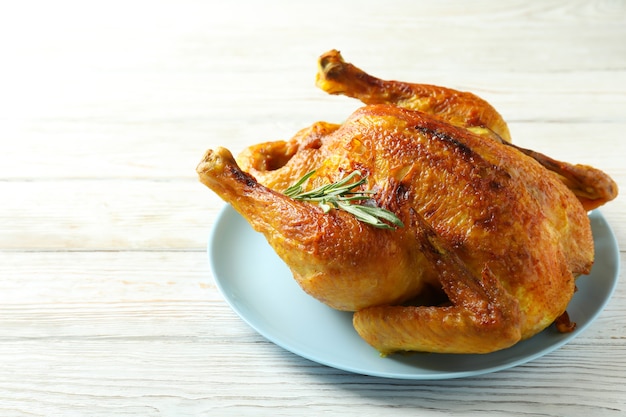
<point>485,223</point>
<point>460,108</point>
<point>335,76</point>
<point>592,186</point>
<point>311,242</point>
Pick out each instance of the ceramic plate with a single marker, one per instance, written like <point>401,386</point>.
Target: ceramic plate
<point>260,288</point>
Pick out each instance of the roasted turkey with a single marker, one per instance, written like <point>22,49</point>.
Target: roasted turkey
<point>494,235</point>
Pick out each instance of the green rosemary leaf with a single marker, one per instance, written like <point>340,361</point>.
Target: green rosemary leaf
<point>362,215</point>
<point>383,214</point>
<point>341,195</point>
<point>297,187</point>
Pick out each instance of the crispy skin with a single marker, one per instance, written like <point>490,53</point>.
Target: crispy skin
<point>493,227</point>
<point>460,108</point>
<point>494,207</point>
<point>312,243</point>
<point>592,187</point>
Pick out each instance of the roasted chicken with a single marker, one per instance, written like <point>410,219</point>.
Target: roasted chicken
<point>494,235</point>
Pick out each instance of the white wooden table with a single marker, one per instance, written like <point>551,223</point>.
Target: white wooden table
<point>107,303</point>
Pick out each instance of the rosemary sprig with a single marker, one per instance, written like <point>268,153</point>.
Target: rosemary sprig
<point>340,195</point>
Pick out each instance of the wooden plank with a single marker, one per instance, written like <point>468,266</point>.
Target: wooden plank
<point>184,377</point>
<point>106,215</point>
<point>63,156</point>
<point>133,215</point>
<point>87,149</point>
<point>145,333</point>
<point>188,82</point>
<point>555,35</point>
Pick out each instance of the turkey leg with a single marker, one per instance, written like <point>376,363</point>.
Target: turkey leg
<point>592,186</point>
<point>483,317</point>
<point>335,76</point>
<point>313,243</point>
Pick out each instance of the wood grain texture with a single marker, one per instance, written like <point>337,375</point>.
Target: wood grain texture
<point>107,302</point>
<point>140,337</point>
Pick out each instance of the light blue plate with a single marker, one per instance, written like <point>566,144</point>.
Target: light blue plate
<point>260,288</point>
